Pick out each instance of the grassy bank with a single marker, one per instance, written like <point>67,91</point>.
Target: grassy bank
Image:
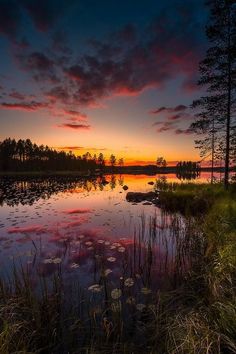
<point>194,312</point>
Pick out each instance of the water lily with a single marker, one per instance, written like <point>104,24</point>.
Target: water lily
<point>101,241</point>
<point>129,282</point>
<point>146,291</point>
<point>107,272</point>
<point>121,249</point>
<point>111,259</point>
<point>95,288</point>
<point>74,265</point>
<point>116,244</point>
<point>116,293</point>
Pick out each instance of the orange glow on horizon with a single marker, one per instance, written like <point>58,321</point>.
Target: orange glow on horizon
<point>129,160</point>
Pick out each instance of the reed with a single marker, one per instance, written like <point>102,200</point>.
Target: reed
<point>174,292</point>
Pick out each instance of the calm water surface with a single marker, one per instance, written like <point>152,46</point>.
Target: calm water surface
<point>75,225</point>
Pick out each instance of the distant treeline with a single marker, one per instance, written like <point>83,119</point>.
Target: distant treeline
<point>23,155</point>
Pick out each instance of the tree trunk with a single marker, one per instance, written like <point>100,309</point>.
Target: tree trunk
<point>228,118</point>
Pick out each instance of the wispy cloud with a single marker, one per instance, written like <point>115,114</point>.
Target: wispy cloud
<point>74,126</point>
<point>24,106</point>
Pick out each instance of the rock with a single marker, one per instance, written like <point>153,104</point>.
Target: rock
<point>147,203</point>
<point>137,197</point>
<point>125,187</point>
<point>151,183</point>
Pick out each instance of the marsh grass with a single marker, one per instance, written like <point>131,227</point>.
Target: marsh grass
<point>179,300</point>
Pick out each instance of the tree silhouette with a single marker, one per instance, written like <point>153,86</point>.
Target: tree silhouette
<point>161,162</point>
<point>218,75</point>
<point>23,155</point>
<point>121,162</point>
<point>112,160</point>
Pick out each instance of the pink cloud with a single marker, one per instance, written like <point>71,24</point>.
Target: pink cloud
<point>74,126</point>
<point>24,106</point>
<point>183,131</point>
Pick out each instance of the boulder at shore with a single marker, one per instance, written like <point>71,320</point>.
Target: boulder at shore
<point>138,197</point>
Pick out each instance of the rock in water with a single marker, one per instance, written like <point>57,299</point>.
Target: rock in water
<point>137,197</point>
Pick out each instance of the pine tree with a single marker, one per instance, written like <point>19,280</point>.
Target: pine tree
<point>214,117</point>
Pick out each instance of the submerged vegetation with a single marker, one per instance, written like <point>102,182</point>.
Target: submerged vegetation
<point>145,296</point>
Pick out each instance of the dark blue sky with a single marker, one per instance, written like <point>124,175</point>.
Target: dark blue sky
<point>114,76</point>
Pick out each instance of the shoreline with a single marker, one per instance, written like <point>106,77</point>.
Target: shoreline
<point>85,174</point>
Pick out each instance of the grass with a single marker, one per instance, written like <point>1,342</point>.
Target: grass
<point>193,312</point>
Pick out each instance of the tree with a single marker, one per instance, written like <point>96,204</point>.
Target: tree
<point>101,160</point>
<point>161,162</point>
<point>218,75</point>
<point>121,162</point>
<point>112,160</point>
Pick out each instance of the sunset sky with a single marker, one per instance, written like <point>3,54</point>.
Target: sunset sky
<point>102,76</point>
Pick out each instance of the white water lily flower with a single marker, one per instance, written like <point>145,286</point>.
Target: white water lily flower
<point>140,307</point>
<point>112,247</point>
<point>107,243</point>
<point>116,293</point>
<point>74,265</point>
<point>88,243</point>
<point>111,259</point>
<point>90,248</point>
<point>96,288</point>
<point>116,244</point>
<point>121,249</point>
<point>101,241</point>
<point>107,272</point>
<point>146,291</point>
<point>48,261</point>
<point>57,260</point>
<point>129,282</point>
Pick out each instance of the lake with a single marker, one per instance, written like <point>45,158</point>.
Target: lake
<point>86,229</point>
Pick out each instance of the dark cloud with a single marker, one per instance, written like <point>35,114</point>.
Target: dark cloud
<point>58,93</point>
<point>81,148</point>
<point>175,117</point>
<point>166,126</point>
<point>179,108</point>
<point>166,49</point>
<point>39,65</point>
<point>17,95</point>
<point>183,131</point>
<point>125,63</point>
<point>74,126</point>
<point>24,106</point>
<point>75,113</point>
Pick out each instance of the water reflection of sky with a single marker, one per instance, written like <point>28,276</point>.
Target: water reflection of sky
<point>46,227</point>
